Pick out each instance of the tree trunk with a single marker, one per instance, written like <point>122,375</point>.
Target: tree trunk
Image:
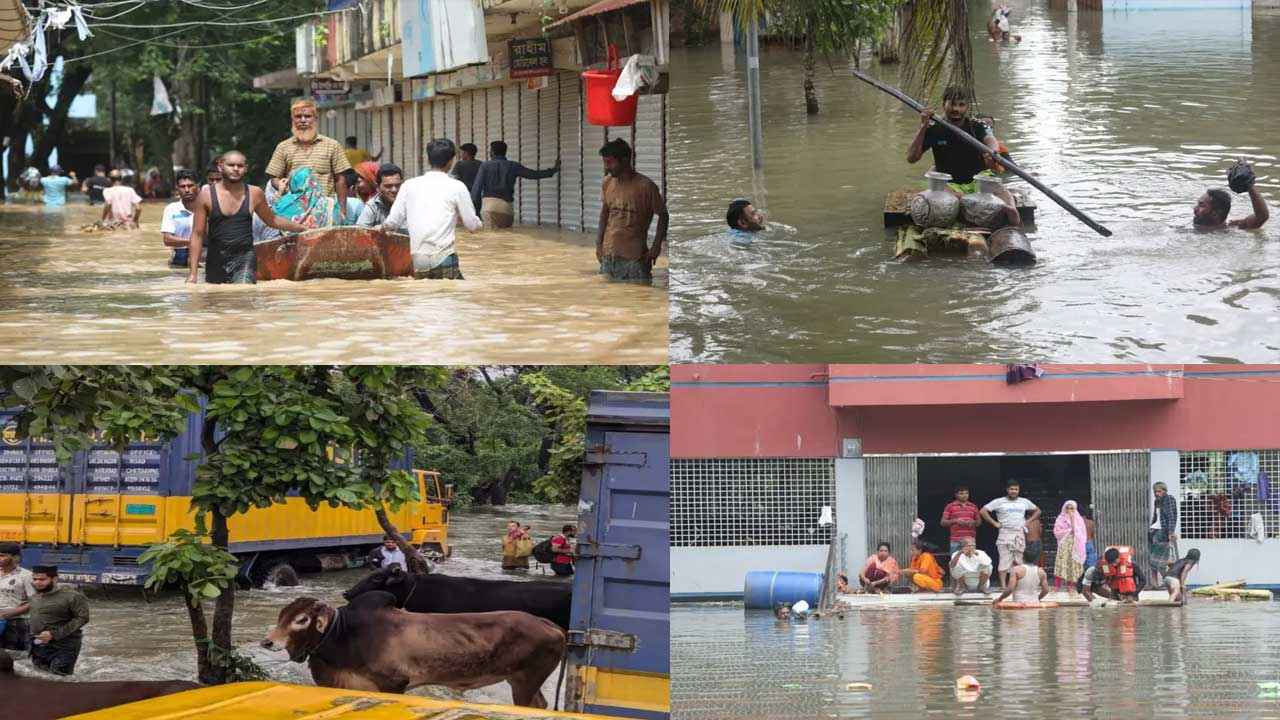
<point>888,49</point>
<point>417,563</point>
<point>225,606</point>
<point>200,632</point>
<point>810,93</point>
<point>73,81</point>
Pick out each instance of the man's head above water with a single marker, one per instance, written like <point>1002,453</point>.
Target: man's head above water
<point>955,103</point>
<point>1213,207</point>
<point>743,215</point>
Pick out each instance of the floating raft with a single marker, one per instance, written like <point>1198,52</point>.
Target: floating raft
<point>1234,590</point>
<point>1148,598</point>
<point>345,253</point>
<point>897,206</point>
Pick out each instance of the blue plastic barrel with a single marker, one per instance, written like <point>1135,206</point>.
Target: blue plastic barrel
<point>765,589</point>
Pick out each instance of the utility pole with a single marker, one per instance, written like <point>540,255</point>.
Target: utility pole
<point>753,96</point>
<point>111,161</point>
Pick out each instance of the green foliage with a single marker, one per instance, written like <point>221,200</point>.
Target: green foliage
<point>835,25</point>
<point>936,45</point>
<point>188,560</point>
<point>236,666</point>
<point>656,380</point>
<point>566,414</point>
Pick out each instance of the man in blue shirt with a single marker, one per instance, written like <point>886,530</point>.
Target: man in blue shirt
<point>55,187</point>
<point>493,191</point>
<point>175,224</point>
<point>744,221</point>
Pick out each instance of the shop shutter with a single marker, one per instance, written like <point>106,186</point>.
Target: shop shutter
<point>529,154</point>
<point>891,504</point>
<point>571,151</point>
<point>549,151</point>
<point>1120,490</point>
<point>648,142</point>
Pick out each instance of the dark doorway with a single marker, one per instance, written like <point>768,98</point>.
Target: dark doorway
<point>1046,480</point>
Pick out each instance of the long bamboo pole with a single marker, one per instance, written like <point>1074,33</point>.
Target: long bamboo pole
<point>971,140</point>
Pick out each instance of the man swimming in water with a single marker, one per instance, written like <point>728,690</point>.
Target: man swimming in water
<point>744,217</point>
<point>1215,205</point>
<point>952,155</point>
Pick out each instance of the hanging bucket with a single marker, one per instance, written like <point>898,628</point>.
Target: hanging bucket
<point>602,109</point>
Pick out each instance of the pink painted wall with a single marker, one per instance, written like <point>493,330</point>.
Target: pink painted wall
<point>781,411</point>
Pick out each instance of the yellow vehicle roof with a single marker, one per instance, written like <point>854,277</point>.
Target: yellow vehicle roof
<point>282,701</point>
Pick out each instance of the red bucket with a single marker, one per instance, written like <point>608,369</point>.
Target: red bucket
<point>602,109</point>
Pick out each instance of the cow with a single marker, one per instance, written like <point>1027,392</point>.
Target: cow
<point>41,698</point>
<point>448,594</point>
<point>370,644</point>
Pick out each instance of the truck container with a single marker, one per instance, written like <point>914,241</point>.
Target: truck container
<point>619,636</point>
<point>94,515</point>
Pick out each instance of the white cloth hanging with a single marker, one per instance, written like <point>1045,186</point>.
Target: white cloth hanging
<point>639,71</point>
<point>1257,528</point>
<point>160,104</point>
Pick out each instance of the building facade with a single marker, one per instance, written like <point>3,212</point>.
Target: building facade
<point>761,453</point>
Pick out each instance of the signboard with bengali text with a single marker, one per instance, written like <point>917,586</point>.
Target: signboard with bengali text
<point>530,57</point>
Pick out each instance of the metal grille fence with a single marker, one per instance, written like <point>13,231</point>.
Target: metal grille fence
<point>751,502</point>
<point>891,507</point>
<point>1222,490</point>
<point>1121,496</point>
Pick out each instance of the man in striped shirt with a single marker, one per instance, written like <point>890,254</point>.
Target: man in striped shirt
<point>308,148</point>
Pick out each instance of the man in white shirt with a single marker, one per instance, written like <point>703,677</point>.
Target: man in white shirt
<point>387,555</point>
<point>970,568</point>
<point>1011,522</point>
<point>175,224</point>
<point>430,206</point>
<point>16,591</point>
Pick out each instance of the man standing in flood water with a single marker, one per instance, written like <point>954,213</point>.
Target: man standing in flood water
<point>494,186</point>
<point>224,212</point>
<point>951,155</point>
<point>58,615</point>
<point>628,203</point>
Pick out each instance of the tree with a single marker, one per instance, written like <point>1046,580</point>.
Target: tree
<point>826,27</point>
<point>935,45</point>
<point>268,432</point>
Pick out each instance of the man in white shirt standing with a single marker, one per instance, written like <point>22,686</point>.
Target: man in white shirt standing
<point>16,591</point>
<point>388,554</point>
<point>175,224</point>
<point>1011,521</point>
<point>430,206</point>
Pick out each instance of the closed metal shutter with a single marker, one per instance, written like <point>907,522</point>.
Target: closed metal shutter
<point>529,154</point>
<point>648,142</point>
<point>424,135</point>
<point>495,117</point>
<point>377,143</point>
<point>466,117</point>
<point>1121,494</point>
<point>891,505</point>
<point>450,127</point>
<point>571,153</point>
<point>509,103</point>
<point>549,151</point>
<point>593,138</point>
<point>397,136</point>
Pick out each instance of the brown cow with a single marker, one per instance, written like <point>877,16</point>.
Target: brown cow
<point>371,644</point>
<point>42,699</point>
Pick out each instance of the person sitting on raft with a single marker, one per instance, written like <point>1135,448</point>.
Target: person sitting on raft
<point>1214,206</point>
<point>880,571</point>
<point>951,155</point>
<point>1029,582</point>
<point>1114,577</point>
<point>1175,578</point>
<point>970,568</point>
<point>923,572</point>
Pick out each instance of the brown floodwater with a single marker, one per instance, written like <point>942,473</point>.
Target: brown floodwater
<point>1130,115</point>
<point>532,295</point>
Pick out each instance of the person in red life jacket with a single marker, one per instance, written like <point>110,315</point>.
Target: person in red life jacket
<point>1114,576</point>
<point>562,546</point>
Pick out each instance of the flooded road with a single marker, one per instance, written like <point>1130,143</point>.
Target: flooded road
<point>1129,115</point>
<point>1201,661</point>
<point>129,638</point>
<point>532,295</point>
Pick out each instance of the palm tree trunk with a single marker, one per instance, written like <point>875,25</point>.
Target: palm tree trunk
<point>810,93</point>
<point>888,49</point>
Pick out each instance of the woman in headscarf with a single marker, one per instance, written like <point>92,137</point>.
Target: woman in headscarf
<point>367,180</point>
<point>305,199</point>
<point>1070,531</point>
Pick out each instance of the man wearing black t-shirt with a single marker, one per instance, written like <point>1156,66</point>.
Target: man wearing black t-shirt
<point>952,155</point>
<point>94,186</point>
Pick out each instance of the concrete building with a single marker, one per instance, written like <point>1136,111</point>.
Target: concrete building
<point>395,73</point>
<point>758,452</point>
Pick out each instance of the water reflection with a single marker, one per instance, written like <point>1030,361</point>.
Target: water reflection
<point>1129,115</point>
<point>1070,662</point>
<point>531,295</point>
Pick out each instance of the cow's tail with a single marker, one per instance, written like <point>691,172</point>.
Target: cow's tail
<point>564,663</point>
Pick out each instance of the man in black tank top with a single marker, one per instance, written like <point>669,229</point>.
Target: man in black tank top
<point>224,212</point>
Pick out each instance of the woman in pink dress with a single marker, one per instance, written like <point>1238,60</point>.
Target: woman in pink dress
<point>880,571</point>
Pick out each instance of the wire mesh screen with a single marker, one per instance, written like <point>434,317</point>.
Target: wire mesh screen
<point>751,502</point>
<point>1223,490</point>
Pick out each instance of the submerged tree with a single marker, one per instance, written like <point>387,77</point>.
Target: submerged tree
<point>829,28</point>
<point>936,45</point>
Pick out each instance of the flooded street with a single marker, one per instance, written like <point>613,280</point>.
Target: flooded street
<point>532,295</point>
<point>129,638</point>
<point>1128,115</point>
<point>1201,661</point>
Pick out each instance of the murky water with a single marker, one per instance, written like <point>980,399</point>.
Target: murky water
<point>1201,661</point>
<point>531,295</point>
<point>130,639</point>
<point>1129,115</point>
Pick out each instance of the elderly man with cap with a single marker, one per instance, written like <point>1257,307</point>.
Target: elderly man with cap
<point>308,148</point>
<point>15,598</point>
<point>58,614</point>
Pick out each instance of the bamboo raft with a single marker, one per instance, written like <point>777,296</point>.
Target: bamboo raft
<point>1233,590</point>
<point>346,253</point>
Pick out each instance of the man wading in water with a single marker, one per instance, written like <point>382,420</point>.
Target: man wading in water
<point>628,203</point>
<point>1215,205</point>
<point>224,210</point>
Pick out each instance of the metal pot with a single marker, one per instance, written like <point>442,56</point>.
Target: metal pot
<point>937,206</point>
<point>984,208</point>
<point>1011,247</point>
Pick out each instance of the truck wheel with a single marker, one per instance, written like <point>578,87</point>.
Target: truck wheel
<point>281,574</point>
